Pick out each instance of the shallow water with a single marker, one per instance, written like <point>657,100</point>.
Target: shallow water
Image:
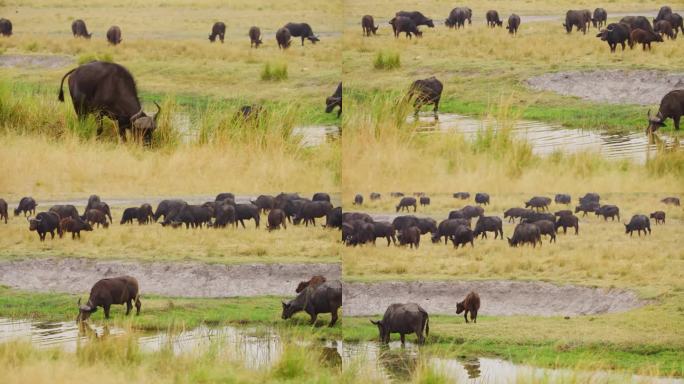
<point>262,348</point>
<point>546,138</point>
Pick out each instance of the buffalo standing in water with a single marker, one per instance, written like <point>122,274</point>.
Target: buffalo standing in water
<point>114,35</point>
<point>218,30</point>
<point>117,290</point>
<point>425,92</point>
<point>323,298</point>
<point>79,29</point>
<point>403,319</point>
<point>671,106</point>
<point>334,101</point>
<point>108,89</point>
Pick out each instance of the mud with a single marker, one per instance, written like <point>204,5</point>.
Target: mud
<point>188,279</point>
<point>499,298</point>
<point>35,61</point>
<point>611,86</point>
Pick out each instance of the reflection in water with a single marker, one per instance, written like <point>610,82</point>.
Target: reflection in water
<point>472,366</point>
<point>546,139</point>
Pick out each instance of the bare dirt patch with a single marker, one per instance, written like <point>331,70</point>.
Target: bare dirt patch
<point>35,61</point>
<point>611,86</point>
<point>499,298</point>
<point>189,279</point>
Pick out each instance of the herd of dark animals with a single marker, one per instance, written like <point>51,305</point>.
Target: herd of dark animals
<point>535,221</point>
<point>220,213</point>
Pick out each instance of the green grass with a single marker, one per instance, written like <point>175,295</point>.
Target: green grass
<point>274,72</point>
<point>387,61</point>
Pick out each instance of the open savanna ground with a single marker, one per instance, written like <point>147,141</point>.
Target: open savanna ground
<point>479,66</point>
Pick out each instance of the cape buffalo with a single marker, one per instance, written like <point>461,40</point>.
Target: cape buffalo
<point>265,203</point>
<point>424,200</point>
<point>425,92</point>
<point>3,210</point>
<point>447,229</point>
<point>168,208</point>
<point>43,223</point>
<point>406,25</point>
<point>333,219</point>
<point>493,20</point>
<point>461,195</point>
<point>608,211</point>
<point>534,216</point>
<point>254,37</point>
<point>217,30</point>
<point>513,24</point>
<point>457,17</point>
<point>471,304</point>
<point>637,22</point>
<point>302,30</point>
<point>323,298</point>
<point>405,203</point>
<point>566,221</point>
<point>276,218</point>
<point>284,38</point>
<point>362,232</point>
<point>659,217</point>
<point>663,12</point>
<point>589,197</point>
<point>5,27</point>
<point>27,206</point>
<point>645,38</point>
<point>417,17</point>
<point>386,230</point>
<point>538,203</point>
<point>78,28</point>
<point>246,212</point>
<point>73,225</point>
<point>114,35</point>
<point>676,21</point>
<point>116,290</point>
<point>108,89</point>
<point>514,213</point>
<point>426,224</point>
<point>488,224</point>
<point>575,18</point>
<point>472,211</point>
<point>614,34</point>
<point>482,198</point>
<point>224,215</point>
<point>100,206</point>
<point>638,223</point>
<point>375,196</point>
<point>95,216</point>
<point>402,222</point>
<point>462,236</point>
<point>334,101</point>
<point>590,206</point>
<point>320,196</point>
<point>368,25</point>
<point>664,28</point>
<point>562,198</point>
<point>525,233</point>
<point>410,236</point>
<point>145,214</point>
<point>547,227</point>
<point>403,319</point>
<point>129,214</point>
<point>309,211</point>
<point>358,199</point>
<point>64,211</point>
<point>671,201</point>
<point>599,18</point>
<point>671,106</point>
<point>224,195</point>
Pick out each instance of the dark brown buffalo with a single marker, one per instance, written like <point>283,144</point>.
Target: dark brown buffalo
<point>5,27</point>
<point>637,22</point>
<point>471,304</point>
<point>576,18</point>
<point>671,107</point>
<point>513,24</point>
<point>323,298</point>
<point>547,227</point>
<point>284,38</point>
<point>114,35</point>
<point>102,207</point>
<point>534,216</point>
<point>358,200</point>
<point>3,210</point>
<point>426,225</point>
<point>599,18</point>
<point>676,21</point>
<point>424,200</point>
<point>525,233</point>
<point>386,230</point>
<point>265,203</point>
<point>590,197</point>
<point>314,281</point>
<point>566,221</point>
<point>78,28</point>
<point>659,217</point>
<point>168,208</point>
<point>368,25</point>
<point>471,211</point>
<point>514,213</point>
<point>302,30</point>
<point>671,201</point>
<point>224,215</point>
<point>254,37</point>
<point>334,101</point>
<point>145,215</point>
<point>493,20</point>
<point>645,38</point>
<point>562,198</point>
<point>64,211</point>
<point>95,216</point>
<point>129,214</point>
<point>27,206</point>
<point>397,194</point>
<point>108,89</point>
<point>320,196</point>
<point>247,212</point>
<point>590,206</point>
<point>447,229</point>
<point>462,195</point>
<point>538,203</point>
<point>217,30</point>
<point>403,319</point>
<point>614,34</point>
<point>276,218</point>
<point>334,218</point>
<point>482,198</point>
<point>664,28</point>
<point>44,223</point>
<point>116,290</point>
<point>457,17</point>
<point>406,25</point>
<point>410,236</point>
<point>564,212</point>
<point>608,211</point>
<point>663,12</point>
<point>375,196</point>
<point>417,17</point>
<point>405,203</point>
<point>638,223</point>
<point>488,224</point>
<point>73,225</point>
<point>426,92</point>
<point>225,195</point>
<point>357,232</point>
<point>312,210</point>
<point>462,236</point>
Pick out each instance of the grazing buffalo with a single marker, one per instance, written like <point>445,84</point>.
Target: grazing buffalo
<point>564,212</point>
<point>108,89</point>
<point>5,27</point>
<point>458,16</point>
<point>73,225</point>
<point>471,304</point>
<point>659,217</point>
<point>643,37</point>
<point>676,22</point>
<point>406,25</point>
<point>3,210</point>
<point>462,236</point>
<point>403,319</point>
<point>533,216</point>
<point>425,92</point>
<point>637,22</point>
<point>323,298</point>
<point>590,197</point>
<point>638,223</point>
<point>358,199</point>
<point>671,201</point>
<point>608,211</point>
<point>664,28</point>
<point>525,233</point>
<point>254,37</point>
<point>386,230</point>
<point>566,221</point>
<point>129,214</point>
<point>145,214</point>
<point>513,24</point>
<point>663,12</point>
<point>168,208</point>
<point>116,290</point>
<point>410,236</point>
<point>599,18</point>
<point>405,203</point>
<point>462,195</point>
<point>302,30</point>
<point>44,223</point>
<point>361,232</point>
<point>265,203</point>
<point>320,196</point>
<point>671,106</point>
<point>78,28</point>
<point>590,206</point>
<point>284,38</point>
<point>314,281</point>
<point>102,207</point>
<point>402,222</point>
<point>470,211</point>
<point>276,218</point>
<point>514,213</point>
<point>368,25</point>
<point>292,207</point>
<point>447,229</point>
<point>426,224</point>
<point>488,224</point>
<point>482,198</point>
<point>493,20</point>
<point>334,101</point>
<point>417,17</point>
<point>224,215</point>
<point>562,198</point>
<point>424,200</point>
<point>95,216</point>
<point>64,211</point>
<point>614,34</point>
<point>114,35</point>
<point>309,211</point>
<point>375,196</point>
<point>547,227</point>
<point>538,203</point>
<point>246,212</point>
<point>27,206</point>
<point>576,18</point>
<point>218,30</point>
<point>224,195</point>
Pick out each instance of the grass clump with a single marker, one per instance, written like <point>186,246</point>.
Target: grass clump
<point>387,60</point>
<point>274,72</point>
<point>95,56</point>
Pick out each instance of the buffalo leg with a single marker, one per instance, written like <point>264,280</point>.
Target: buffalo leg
<point>106,311</point>
<point>333,318</point>
<point>465,315</point>
<point>313,319</point>
<point>436,109</point>
<point>129,306</point>
<point>137,305</point>
<point>473,316</point>
<point>675,119</point>
<point>403,338</point>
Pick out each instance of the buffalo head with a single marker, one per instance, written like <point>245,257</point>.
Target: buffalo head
<point>654,122</point>
<point>84,311</point>
<point>460,307</point>
<point>143,125</point>
<point>288,310</point>
<point>384,336</point>
<point>33,223</point>
<point>429,23</point>
<point>313,38</point>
